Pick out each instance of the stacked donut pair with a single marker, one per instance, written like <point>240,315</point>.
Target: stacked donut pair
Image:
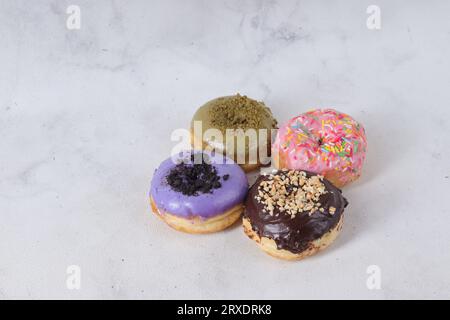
<point>291,212</point>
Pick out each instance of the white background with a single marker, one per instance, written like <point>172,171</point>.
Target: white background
<point>86,116</point>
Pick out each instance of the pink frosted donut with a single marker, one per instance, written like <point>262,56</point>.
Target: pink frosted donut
<point>323,141</point>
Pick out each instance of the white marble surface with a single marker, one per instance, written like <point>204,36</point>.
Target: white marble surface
<point>86,116</point>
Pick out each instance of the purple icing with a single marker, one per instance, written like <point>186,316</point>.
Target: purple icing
<point>205,205</point>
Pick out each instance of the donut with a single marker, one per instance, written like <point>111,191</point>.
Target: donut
<point>293,214</point>
<point>239,113</point>
<point>323,141</point>
<point>198,192</point>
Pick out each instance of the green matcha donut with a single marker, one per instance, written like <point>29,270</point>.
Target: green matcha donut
<point>242,128</point>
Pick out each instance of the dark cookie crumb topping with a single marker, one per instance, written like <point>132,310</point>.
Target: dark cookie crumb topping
<point>195,177</point>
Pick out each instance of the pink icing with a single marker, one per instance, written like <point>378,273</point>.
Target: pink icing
<point>322,141</point>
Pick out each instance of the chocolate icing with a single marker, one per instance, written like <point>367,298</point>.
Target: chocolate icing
<point>294,234</point>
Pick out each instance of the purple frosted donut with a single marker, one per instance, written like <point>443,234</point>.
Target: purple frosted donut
<point>198,192</point>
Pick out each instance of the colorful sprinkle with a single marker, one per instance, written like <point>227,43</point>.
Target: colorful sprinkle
<point>343,143</point>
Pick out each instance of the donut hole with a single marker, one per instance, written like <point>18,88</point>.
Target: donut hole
<point>321,141</point>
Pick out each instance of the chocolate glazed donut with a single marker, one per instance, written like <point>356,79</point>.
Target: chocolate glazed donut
<point>294,237</point>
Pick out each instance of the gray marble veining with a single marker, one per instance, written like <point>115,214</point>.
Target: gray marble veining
<point>86,116</point>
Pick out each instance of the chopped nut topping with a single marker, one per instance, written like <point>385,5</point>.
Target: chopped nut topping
<point>291,192</point>
<point>332,210</point>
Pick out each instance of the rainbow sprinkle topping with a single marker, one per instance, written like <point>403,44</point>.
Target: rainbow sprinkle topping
<point>322,141</point>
